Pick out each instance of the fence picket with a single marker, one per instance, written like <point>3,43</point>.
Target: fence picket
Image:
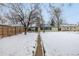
<point>6,30</point>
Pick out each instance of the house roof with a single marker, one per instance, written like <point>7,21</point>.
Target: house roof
<point>69,25</point>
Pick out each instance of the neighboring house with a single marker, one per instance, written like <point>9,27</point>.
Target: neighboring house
<point>69,27</point>
<point>46,27</point>
<point>34,27</point>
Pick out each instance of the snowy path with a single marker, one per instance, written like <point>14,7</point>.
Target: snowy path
<point>40,47</point>
<point>18,45</point>
<point>61,43</point>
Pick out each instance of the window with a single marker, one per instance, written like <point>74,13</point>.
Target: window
<point>67,27</point>
<point>74,27</point>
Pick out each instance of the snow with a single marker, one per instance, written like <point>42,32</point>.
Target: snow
<point>55,44</point>
<point>18,45</point>
<point>61,43</point>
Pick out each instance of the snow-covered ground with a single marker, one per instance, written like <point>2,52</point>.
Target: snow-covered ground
<point>19,45</point>
<point>61,43</point>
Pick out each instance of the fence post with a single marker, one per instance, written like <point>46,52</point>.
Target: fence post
<point>7,30</point>
<point>15,30</point>
<point>2,31</point>
<point>12,30</point>
<point>20,29</point>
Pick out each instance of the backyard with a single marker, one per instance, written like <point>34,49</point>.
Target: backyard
<point>55,44</point>
<point>61,43</point>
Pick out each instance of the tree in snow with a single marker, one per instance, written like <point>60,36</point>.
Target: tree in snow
<point>52,23</point>
<point>2,19</point>
<point>56,16</point>
<point>35,16</point>
<point>19,12</point>
<point>16,12</point>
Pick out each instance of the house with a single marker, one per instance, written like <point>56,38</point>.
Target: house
<point>69,27</point>
<point>34,27</point>
<point>46,27</point>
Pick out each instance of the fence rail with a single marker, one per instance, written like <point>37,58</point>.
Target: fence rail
<point>10,30</point>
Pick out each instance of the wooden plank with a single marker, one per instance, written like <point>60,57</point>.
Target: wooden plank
<point>40,48</point>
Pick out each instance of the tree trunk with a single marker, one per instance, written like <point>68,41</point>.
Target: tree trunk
<point>58,24</point>
<point>25,29</point>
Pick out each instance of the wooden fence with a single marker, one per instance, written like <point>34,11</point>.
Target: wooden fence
<point>10,30</point>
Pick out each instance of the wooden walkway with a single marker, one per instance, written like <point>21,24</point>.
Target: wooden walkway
<point>40,48</point>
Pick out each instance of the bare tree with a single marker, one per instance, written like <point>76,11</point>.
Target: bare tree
<point>56,15</point>
<point>2,19</point>
<point>12,17</point>
<point>35,15</point>
<point>17,12</point>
